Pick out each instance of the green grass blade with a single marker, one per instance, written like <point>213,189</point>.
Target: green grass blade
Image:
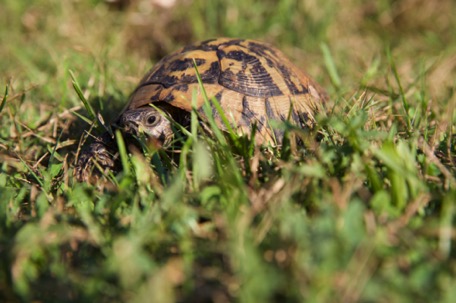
<point>5,97</point>
<point>85,119</point>
<point>405,105</point>
<point>194,117</point>
<point>331,65</point>
<point>123,152</point>
<point>78,90</point>
<point>32,172</point>
<point>173,122</point>
<point>208,111</point>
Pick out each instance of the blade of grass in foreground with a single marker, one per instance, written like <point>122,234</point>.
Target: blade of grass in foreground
<point>78,90</point>
<point>123,152</point>
<point>5,97</point>
<point>207,109</point>
<point>405,104</point>
<point>223,161</point>
<point>330,65</point>
<point>194,117</point>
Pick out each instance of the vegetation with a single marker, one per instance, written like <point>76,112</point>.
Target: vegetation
<point>363,212</point>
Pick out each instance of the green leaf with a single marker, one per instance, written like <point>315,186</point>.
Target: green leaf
<point>55,169</point>
<point>312,170</point>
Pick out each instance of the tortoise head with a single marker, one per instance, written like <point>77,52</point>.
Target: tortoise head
<point>146,121</point>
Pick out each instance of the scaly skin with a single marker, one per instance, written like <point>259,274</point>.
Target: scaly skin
<point>103,152</point>
<point>148,121</point>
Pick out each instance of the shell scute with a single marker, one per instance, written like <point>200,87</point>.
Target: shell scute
<point>246,72</point>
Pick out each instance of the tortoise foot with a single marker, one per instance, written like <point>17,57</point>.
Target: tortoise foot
<point>95,160</point>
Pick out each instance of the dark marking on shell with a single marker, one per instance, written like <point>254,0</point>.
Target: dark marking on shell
<point>295,116</point>
<point>283,116</point>
<point>211,75</point>
<point>270,62</point>
<point>278,134</point>
<point>303,119</point>
<point>215,112</point>
<point>260,49</point>
<point>163,77</point>
<point>168,80</point>
<point>187,63</point>
<point>168,98</point>
<point>257,83</point>
<point>181,87</point>
<point>232,42</point>
<point>218,96</point>
<point>260,124</point>
<point>286,73</point>
<point>272,116</point>
<point>269,111</point>
<point>240,56</point>
<point>205,45</point>
<point>247,115</point>
<point>156,96</point>
<point>156,76</point>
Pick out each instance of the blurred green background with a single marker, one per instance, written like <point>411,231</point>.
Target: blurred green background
<point>368,217</point>
<point>43,39</point>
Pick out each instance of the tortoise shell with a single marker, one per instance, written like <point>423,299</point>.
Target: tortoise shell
<point>252,81</point>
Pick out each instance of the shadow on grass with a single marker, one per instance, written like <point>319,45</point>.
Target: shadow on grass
<point>81,131</point>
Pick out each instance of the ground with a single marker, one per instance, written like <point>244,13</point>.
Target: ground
<point>363,211</point>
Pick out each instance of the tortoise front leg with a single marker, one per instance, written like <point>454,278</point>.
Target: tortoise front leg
<point>101,154</point>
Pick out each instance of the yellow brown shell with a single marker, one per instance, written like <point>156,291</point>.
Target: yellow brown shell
<point>252,81</point>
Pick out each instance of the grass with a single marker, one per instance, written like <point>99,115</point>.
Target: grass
<point>366,213</point>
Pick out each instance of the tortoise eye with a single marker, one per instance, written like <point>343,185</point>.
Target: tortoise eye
<point>151,120</point>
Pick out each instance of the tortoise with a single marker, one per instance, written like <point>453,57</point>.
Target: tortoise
<point>252,81</point>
